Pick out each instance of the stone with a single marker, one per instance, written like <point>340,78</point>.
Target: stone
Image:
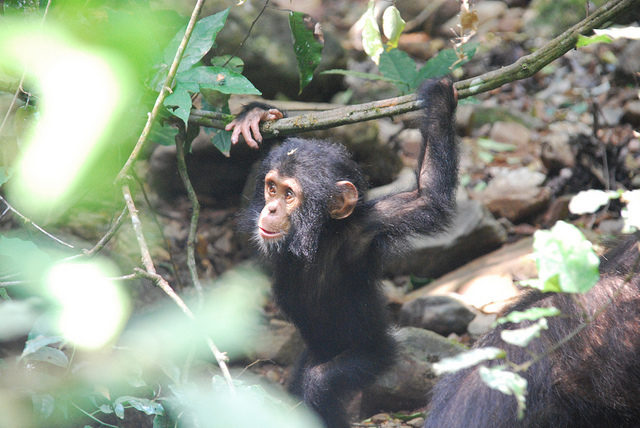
<point>441,314</point>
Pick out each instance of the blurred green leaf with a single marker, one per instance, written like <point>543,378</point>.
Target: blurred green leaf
<point>590,201</point>
<point>397,66</point>
<point>589,40</point>
<point>141,404</point>
<point>508,383</point>
<point>531,314</point>
<point>565,259</point>
<point>50,355</point>
<point>217,78</point>
<point>522,336</point>
<point>233,63</point>
<point>307,45</point>
<point>371,41</point>
<point>467,359</point>
<point>392,26</point>
<point>443,63</point>
<point>43,405</point>
<point>33,345</point>
<point>164,134</point>
<point>495,146</point>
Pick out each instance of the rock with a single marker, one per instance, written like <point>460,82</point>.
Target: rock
<point>510,132</point>
<point>515,194</point>
<point>487,282</point>
<point>629,62</point>
<point>441,314</point>
<point>474,232</point>
<point>416,422</point>
<point>481,324</point>
<point>279,341</point>
<point>407,384</point>
<point>632,113</point>
<point>556,152</point>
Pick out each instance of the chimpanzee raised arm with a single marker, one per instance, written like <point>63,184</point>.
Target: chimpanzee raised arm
<point>327,245</point>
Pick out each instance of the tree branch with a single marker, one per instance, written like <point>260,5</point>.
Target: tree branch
<point>525,67</point>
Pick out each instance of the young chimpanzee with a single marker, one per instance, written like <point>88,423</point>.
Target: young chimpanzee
<point>592,380</point>
<point>328,244</point>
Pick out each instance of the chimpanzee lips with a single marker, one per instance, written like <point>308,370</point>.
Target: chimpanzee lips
<point>266,234</point>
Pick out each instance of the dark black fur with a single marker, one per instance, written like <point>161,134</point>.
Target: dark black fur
<point>327,270</point>
<point>591,381</point>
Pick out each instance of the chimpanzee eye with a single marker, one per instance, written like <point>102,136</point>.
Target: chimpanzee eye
<point>271,187</point>
<point>290,195</point>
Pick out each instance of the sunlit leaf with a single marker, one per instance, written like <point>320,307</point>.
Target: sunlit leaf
<point>43,405</point>
<point>50,355</point>
<point>141,404</point>
<point>495,146</point>
<point>308,42</point>
<point>371,41</point>
<point>219,79</point>
<point>632,33</point>
<point>33,345</point>
<point>531,314</point>
<point>590,40</point>
<point>522,336</point>
<point>397,65</point>
<point>508,383</point>
<point>392,26</point>
<point>590,201</point>
<point>565,259</point>
<point>467,359</point>
<point>631,212</point>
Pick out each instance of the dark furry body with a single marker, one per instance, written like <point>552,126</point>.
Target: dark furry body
<point>591,381</point>
<point>327,270</point>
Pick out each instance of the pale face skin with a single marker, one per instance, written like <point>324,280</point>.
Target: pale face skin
<point>282,195</point>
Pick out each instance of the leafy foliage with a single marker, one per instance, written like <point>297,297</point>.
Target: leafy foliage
<point>307,45</point>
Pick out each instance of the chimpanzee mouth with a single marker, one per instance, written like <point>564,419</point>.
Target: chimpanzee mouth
<point>265,234</point>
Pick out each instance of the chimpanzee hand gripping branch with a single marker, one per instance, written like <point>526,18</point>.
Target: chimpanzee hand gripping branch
<point>327,244</point>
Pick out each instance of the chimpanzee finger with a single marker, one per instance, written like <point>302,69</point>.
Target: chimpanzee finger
<point>255,128</point>
<point>248,137</point>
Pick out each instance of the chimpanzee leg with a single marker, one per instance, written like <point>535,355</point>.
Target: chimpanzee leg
<point>327,385</point>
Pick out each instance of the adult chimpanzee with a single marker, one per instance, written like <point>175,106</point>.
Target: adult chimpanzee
<point>592,380</point>
<point>328,244</point>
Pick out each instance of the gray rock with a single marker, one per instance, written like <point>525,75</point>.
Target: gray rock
<point>474,232</point>
<point>407,384</point>
<point>279,341</point>
<point>441,314</point>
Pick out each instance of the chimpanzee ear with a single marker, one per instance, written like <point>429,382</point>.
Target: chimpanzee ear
<point>343,203</point>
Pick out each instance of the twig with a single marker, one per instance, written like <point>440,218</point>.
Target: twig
<point>105,239</point>
<point>150,272</point>
<point>166,88</point>
<point>266,3</point>
<point>28,221</point>
<point>195,213</point>
<point>93,417</point>
<point>525,67</point>
<point>24,73</point>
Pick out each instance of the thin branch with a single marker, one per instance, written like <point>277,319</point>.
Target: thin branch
<point>195,213</point>
<point>166,88</point>
<point>150,272</point>
<point>255,21</point>
<point>105,239</point>
<point>24,73</point>
<point>525,67</point>
<point>28,221</point>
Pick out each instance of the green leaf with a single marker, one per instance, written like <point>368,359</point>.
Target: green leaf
<point>371,41</point>
<point>586,41</point>
<point>445,62</point>
<point>392,26</point>
<point>118,408</point>
<point>222,141</point>
<point>141,404</point>
<point>308,42</point>
<point>590,201</point>
<point>467,359</point>
<point>219,79</point>
<point>181,100</point>
<point>33,345</point>
<point>531,314</point>
<point>495,146</point>
<point>522,336</point>
<point>565,259</point>
<point>398,66</point>
<point>508,383</point>
<point>50,355</point>
<point>43,405</point>
<point>202,39</point>
<point>231,62</point>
